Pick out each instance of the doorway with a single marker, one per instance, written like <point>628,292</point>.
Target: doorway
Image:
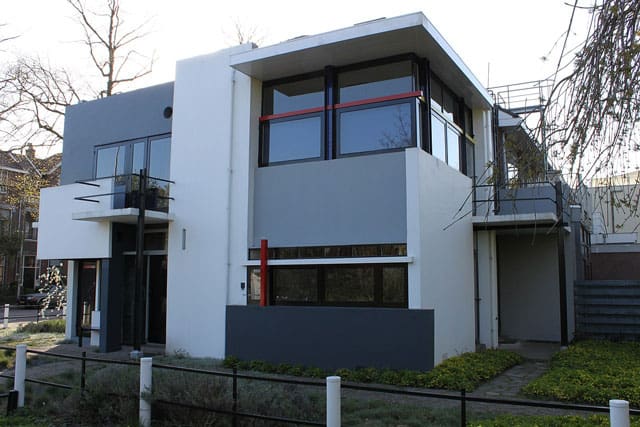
<point>154,299</point>
<point>86,300</point>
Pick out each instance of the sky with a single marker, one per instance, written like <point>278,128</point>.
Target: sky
<point>502,41</point>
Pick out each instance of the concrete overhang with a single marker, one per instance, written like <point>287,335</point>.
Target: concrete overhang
<point>123,216</point>
<point>381,38</point>
<point>490,222</point>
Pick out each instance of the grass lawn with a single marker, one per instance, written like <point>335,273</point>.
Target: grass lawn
<point>591,372</point>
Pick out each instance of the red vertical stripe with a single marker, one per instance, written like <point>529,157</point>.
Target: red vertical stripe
<point>264,250</point>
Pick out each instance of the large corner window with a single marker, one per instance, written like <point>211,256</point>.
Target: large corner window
<point>293,121</point>
<point>361,285</point>
<point>124,160</point>
<point>451,128</point>
<point>346,111</point>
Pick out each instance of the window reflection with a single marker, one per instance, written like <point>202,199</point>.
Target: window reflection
<point>297,139</point>
<point>438,138</point>
<point>374,82</point>
<point>377,128</point>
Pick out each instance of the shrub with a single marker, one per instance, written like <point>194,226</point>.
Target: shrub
<point>56,326</point>
<point>591,372</point>
<point>466,371</point>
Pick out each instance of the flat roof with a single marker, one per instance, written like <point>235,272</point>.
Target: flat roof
<point>382,38</point>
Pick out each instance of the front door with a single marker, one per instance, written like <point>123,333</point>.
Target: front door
<point>154,299</point>
<point>86,298</point>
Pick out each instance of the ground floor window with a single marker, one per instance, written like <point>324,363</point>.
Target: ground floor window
<point>366,285</point>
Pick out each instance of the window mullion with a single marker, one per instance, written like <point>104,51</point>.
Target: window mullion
<point>329,101</point>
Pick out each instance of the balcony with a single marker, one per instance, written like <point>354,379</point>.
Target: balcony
<point>117,199</point>
<point>536,203</point>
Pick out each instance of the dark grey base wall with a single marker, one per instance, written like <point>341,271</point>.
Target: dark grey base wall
<point>332,337</point>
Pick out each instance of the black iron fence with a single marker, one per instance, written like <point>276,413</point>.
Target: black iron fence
<point>462,398</point>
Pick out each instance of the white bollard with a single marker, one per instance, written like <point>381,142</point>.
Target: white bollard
<point>6,316</point>
<point>145,387</point>
<point>20,372</point>
<point>333,402</point>
<point>619,413</point>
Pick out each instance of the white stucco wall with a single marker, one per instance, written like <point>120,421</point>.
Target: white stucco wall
<point>528,281</point>
<point>209,164</point>
<point>487,276</point>
<point>440,237</point>
<point>60,236</point>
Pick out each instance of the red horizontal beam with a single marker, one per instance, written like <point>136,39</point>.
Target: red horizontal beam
<point>397,96</point>
<point>379,99</point>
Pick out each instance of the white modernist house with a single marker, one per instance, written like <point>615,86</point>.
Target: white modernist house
<point>355,155</point>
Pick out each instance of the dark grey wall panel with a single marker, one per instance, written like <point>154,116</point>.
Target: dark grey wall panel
<point>116,118</point>
<point>332,337</point>
<point>337,202</point>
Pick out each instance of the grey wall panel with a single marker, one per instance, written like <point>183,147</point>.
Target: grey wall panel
<point>116,118</point>
<point>344,201</point>
<point>332,337</point>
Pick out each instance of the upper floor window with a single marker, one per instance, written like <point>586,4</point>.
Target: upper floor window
<point>293,128</point>
<point>123,161</point>
<point>364,108</point>
<point>339,112</point>
<point>376,108</point>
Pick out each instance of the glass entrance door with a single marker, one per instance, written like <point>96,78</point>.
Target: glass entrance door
<point>154,299</point>
<point>86,298</point>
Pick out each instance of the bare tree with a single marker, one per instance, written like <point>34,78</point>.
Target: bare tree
<point>34,94</point>
<point>592,113</point>
<point>241,32</point>
<point>111,42</point>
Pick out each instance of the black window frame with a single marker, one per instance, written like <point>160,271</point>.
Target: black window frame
<point>329,112</point>
<point>321,275</point>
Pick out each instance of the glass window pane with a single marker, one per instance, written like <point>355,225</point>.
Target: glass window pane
<point>470,167</point>
<point>377,128</point>
<point>453,147</point>
<point>138,157</point>
<point>436,95</point>
<point>394,285</point>
<point>450,107</point>
<point>159,158</point>
<point>295,139</point>
<point>468,121</point>
<point>295,285</point>
<point>253,296</point>
<point>438,140</point>
<point>373,82</point>
<point>294,96</point>
<point>110,161</point>
<point>349,284</point>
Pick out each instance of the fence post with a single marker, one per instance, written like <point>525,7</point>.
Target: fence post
<point>12,402</point>
<point>20,372</point>
<point>235,396</point>
<point>145,388</point>
<point>333,402</point>
<point>6,316</point>
<point>619,413</point>
<point>83,372</point>
<point>463,408</point>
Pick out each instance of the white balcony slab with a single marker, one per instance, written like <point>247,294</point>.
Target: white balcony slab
<point>124,215</point>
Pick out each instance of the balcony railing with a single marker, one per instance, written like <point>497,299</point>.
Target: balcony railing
<point>534,198</point>
<point>126,191</point>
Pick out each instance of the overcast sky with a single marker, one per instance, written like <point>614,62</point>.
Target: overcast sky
<point>507,37</point>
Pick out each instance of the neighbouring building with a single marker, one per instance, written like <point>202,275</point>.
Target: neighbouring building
<point>359,157</point>
<point>616,222</point>
<point>21,176</point>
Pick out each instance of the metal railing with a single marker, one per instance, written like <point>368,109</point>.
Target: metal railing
<point>126,192</point>
<point>235,413</point>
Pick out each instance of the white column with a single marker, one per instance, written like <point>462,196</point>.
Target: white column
<point>487,275</point>
<point>145,387</point>
<point>20,372</point>
<point>333,402</point>
<point>6,316</point>
<point>95,328</point>
<point>70,312</point>
<point>619,413</point>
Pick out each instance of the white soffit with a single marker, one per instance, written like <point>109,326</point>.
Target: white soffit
<point>363,42</point>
